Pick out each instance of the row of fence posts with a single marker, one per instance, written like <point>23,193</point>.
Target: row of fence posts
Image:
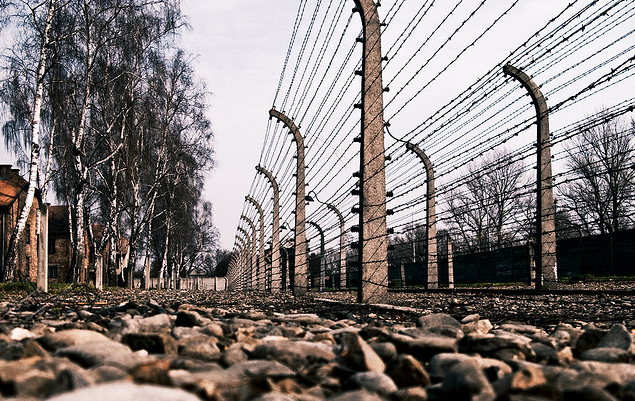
<point>246,271</point>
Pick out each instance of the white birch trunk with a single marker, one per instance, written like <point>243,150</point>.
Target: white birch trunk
<point>18,231</point>
<point>164,261</point>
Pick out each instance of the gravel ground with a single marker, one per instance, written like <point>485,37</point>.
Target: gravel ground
<point>477,345</point>
<point>604,303</point>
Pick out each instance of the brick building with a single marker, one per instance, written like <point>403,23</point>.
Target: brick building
<point>13,189</point>
<point>59,249</point>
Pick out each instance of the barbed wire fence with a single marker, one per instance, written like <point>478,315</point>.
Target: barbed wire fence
<point>445,91</point>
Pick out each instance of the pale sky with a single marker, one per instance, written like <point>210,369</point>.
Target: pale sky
<point>241,45</point>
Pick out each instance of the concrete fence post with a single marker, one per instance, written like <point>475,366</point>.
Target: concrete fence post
<point>276,279</point>
<point>322,281</point>
<point>253,253</point>
<point>546,271</point>
<point>300,275</point>
<point>373,236</point>
<point>431,218</point>
<point>260,268</point>
<point>450,263</point>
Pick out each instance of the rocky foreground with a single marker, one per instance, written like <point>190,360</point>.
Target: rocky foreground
<point>151,345</point>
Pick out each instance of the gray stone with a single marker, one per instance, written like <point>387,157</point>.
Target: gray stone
<point>107,352</point>
<point>193,365</point>
<point>373,381</point>
<point>154,343</point>
<point>254,315</point>
<point>123,391</point>
<point>470,318</point>
<point>386,351</point>
<point>301,318</point>
<point>577,378</point>
<point>410,394</point>
<point>190,318</point>
<point>611,355</point>
<point>587,394</point>
<point>523,329</point>
<point>182,333</point>
<point>295,354</point>
<point>201,347</point>
<point>358,355</point>
<point>618,337</point>
<point>590,338</point>
<point>561,338</point>
<point>25,378</point>
<point>440,364</point>
<point>406,371</point>
<point>544,352</point>
<point>161,323</point>
<point>275,396</point>
<point>213,329</point>
<point>154,324</point>
<point>619,372</point>
<point>442,324</point>
<point>358,395</point>
<point>424,348</point>
<point>491,344</point>
<point>465,381</point>
<point>66,338</point>
<point>526,377</point>
<point>481,326</point>
<point>104,374</point>
<point>260,368</point>
<point>233,355</point>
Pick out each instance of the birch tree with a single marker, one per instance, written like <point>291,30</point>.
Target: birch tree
<point>39,28</point>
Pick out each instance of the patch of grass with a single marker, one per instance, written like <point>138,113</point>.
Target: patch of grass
<point>16,286</point>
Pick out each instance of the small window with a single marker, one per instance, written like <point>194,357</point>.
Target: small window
<point>52,271</point>
<point>52,246</point>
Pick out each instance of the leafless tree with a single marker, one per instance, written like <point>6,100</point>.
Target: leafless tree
<point>488,200</point>
<point>600,195</point>
<point>409,246</point>
<point>24,92</point>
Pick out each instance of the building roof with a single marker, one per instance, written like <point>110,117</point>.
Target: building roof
<point>11,184</point>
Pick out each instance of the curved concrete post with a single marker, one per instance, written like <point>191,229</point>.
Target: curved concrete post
<point>546,271</point>
<point>260,267</point>
<point>373,232</point>
<point>231,272</point>
<point>431,218</point>
<point>342,244</point>
<point>243,267</point>
<point>321,232</point>
<point>253,253</point>
<point>300,275</point>
<point>322,251</point>
<point>276,279</point>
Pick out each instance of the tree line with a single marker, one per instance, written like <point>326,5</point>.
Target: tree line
<point>105,108</point>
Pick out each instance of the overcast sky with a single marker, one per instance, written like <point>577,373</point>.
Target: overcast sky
<point>241,45</point>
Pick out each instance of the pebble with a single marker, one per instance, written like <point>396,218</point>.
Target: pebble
<point>142,349</point>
